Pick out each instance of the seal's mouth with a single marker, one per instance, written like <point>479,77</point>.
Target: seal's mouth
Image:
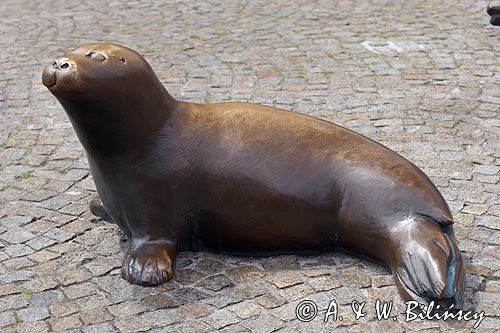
<point>49,79</point>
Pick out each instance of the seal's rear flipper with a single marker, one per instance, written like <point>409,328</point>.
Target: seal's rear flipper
<point>441,219</point>
<point>97,208</point>
<point>494,12</point>
<point>429,266</point>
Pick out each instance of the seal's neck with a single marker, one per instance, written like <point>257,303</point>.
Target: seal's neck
<point>122,123</point>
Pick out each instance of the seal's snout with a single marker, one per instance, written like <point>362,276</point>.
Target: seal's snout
<point>60,64</point>
<point>48,77</point>
<point>56,70</point>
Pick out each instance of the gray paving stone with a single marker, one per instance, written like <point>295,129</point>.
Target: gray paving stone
<point>491,222</point>
<point>33,314</point>
<point>95,315</point>
<point>265,323</point>
<point>32,327</point>
<point>132,324</point>
<point>324,282</point>
<point>209,267</point>
<point>18,263</point>
<point>285,279</point>
<point>270,301</point>
<point>158,318</point>
<point>126,309</point>
<point>65,324</point>
<point>17,235</point>
<point>79,290</point>
<point>245,273</point>
<point>64,308</point>
<point>20,275</point>
<point>7,318</point>
<point>12,154</point>
<point>18,250</point>
<point>221,319</point>
<point>13,302</point>
<point>245,310</point>
<point>99,328</point>
<point>296,292</point>
<point>189,326</point>
<point>187,276</point>
<point>46,298</point>
<point>215,282</point>
<point>487,169</point>
<point>59,235</point>
<point>102,266</point>
<point>39,243</point>
<point>221,301</point>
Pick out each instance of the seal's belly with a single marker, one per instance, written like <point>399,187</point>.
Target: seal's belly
<point>291,229</point>
<point>255,216</point>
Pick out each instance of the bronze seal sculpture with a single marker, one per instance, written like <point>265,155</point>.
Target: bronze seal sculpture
<point>247,179</point>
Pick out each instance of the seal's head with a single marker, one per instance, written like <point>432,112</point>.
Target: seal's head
<point>95,70</point>
<point>105,89</point>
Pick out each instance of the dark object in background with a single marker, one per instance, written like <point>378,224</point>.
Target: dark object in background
<point>494,12</point>
<point>246,179</point>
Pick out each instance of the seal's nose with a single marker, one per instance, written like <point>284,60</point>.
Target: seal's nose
<point>60,64</point>
<point>58,68</point>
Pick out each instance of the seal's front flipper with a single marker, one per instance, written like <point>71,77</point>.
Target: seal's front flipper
<point>149,263</point>
<point>428,266</point>
<point>97,208</point>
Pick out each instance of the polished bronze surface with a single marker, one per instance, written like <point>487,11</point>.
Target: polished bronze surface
<point>247,179</point>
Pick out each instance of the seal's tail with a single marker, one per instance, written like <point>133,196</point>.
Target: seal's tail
<point>430,266</point>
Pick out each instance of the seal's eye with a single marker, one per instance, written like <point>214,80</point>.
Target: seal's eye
<point>96,56</point>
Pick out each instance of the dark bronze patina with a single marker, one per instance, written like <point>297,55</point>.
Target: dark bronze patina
<point>247,179</point>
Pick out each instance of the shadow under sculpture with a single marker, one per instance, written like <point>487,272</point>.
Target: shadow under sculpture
<point>247,179</point>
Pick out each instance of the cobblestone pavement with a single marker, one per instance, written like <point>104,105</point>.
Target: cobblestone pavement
<point>422,78</point>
